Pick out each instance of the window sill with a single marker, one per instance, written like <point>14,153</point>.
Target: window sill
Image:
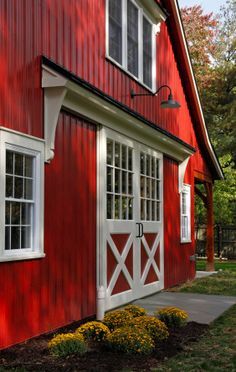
<point>185,241</point>
<point>21,257</point>
<point>137,80</point>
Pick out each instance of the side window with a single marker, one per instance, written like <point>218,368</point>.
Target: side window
<point>22,212</point>
<point>185,207</point>
<point>131,40</point>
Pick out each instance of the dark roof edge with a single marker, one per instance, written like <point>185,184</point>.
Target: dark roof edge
<point>72,77</point>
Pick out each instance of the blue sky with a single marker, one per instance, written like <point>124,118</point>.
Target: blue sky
<point>207,5</point>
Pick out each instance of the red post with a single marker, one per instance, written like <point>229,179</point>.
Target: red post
<point>210,228</point>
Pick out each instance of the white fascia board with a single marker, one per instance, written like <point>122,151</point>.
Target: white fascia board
<point>75,98</point>
<point>154,9</point>
<point>212,154</point>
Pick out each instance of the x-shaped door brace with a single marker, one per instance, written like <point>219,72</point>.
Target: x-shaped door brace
<point>151,251</point>
<point>120,258</point>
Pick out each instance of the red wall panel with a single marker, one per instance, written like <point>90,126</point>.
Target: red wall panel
<point>177,265</point>
<point>39,295</point>
<point>73,35</point>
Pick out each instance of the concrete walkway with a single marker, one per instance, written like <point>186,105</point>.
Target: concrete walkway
<point>201,308</point>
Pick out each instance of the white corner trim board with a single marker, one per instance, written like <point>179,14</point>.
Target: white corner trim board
<point>60,92</point>
<point>182,170</point>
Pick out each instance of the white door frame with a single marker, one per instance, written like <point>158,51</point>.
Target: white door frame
<point>104,291</point>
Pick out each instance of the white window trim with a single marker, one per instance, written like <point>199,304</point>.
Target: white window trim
<point>186,190</point>
<point>33,146</point>
<point>124,67</point>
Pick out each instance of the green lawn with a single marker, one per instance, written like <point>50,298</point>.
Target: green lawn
<point>219,265</point>
<point>215,352</point>
<point>222,283</point>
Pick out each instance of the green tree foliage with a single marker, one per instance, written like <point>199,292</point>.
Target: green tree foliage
<point>212,45</point>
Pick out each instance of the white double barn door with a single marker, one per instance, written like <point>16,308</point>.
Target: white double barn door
<point>132,233</point>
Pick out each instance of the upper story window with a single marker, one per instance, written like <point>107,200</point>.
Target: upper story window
<point>21,213</point>
<point>131,40</point>
<point>185,207</point>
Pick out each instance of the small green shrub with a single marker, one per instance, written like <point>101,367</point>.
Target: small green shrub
<point>128,340</point>
<point>135,310</point>
<point>66,344</point>
<point>172,316</point>
<point>153,326</point>
<point>116,319</point>
<point>94,331</point>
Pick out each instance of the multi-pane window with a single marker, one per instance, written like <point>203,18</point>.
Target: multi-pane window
<point>147,52</point>
<point>19,201</point>
<point>131,39</point>
<point>119,181</point>
<point>149,188</point>
<point>115,30</point>
<point>21,212</point>
<point>185,214</point>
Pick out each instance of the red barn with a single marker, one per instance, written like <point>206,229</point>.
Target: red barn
<point>97,200</point>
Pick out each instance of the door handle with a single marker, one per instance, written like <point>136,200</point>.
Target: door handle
<point>140,230</point>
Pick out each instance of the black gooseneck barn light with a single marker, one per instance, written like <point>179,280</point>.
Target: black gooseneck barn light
<point>170,103</point>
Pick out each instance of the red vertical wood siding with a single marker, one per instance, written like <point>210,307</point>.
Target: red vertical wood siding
<point>40,295</point>
<point>73,35</point>
<point>33,294</point>
<point>177,265</point>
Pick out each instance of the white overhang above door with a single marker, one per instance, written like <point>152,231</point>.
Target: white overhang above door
<point>63,91</point>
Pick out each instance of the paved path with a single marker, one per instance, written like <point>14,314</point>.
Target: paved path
<point>201,308</point>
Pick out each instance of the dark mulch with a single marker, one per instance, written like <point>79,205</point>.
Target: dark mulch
<point>33,354</point>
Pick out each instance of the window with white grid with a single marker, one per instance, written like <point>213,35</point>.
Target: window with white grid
<point>149,188</point>
<point>119,181</point>
<point>185,214</point>
<point>22,181</point>
<point>131,40</point>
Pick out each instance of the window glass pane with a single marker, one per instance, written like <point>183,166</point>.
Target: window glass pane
<point>153,189</point>
<point>18,188</point>
<point>157,190</point>
<point>9,162</point>
<point>9,186</point>
<point>142,186</point>
<point>109,152</point>
<point>7,237</point>
<point>15,213</point>
<point>117,207</point>
<point>132,37</point>
<point>148,187</point>
<point>142,163</point>
<point>124,182</point>
<point>109,206</point>
<point>124,208</point>
<point>29,166</point>
<point>142,209</point>
<point>19,164</point>
<point>148,210</point>
<point>26,237</point>
<point>124,157</point>
<point>117,181</point>
<point>117,154</point>
<point>109,178</point>
<point>148,165</point>
<point>115,30</point>
<point>184,211</point>
<point>130,158</point>
<point>130,183</point>
<point>7,213</point>
<point>130,211</point>
<point>147,52</point>
<point>28,189</point>
<point>158,211</point>
<point>153,211</point>
<point>157,168</point>
<point>26,213</point>
<point>15,237</point>
<point>153,166</point>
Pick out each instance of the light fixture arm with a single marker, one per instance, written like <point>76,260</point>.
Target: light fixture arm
<point>132,94</point>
